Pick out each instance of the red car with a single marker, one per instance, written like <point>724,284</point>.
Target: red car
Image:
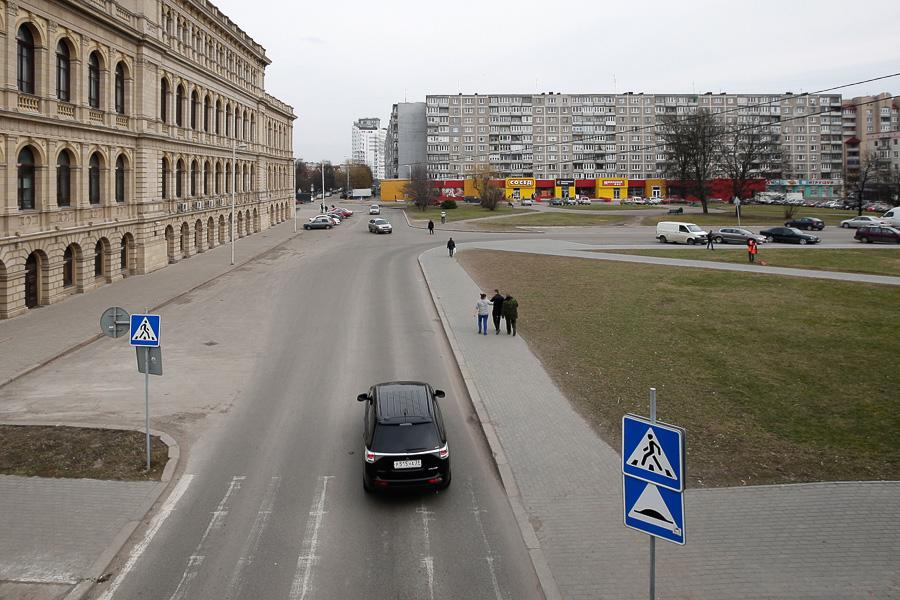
<point>344,212</point>
<point>878,233</point>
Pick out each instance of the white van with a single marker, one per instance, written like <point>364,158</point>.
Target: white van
<point>892,217</point>
<point>678,232</point>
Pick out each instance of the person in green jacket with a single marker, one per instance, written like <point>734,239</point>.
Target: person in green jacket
<point>510,313</point>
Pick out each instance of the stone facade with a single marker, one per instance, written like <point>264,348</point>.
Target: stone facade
<point>126,127</point>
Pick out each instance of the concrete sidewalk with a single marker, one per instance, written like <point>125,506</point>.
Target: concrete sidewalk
<point>828,540</point>
<point>31,340</point>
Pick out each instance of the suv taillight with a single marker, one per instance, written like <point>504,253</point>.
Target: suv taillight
<point>370,456</point>
<point>444,452</point>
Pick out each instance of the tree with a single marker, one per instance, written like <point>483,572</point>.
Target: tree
<point>302,175</point>
<point>489,195</point>
<point>742,154</point>
<point>694,150</point>
<point>420,188</point>
<point>360,177</point>
<point>870,166</point>
<point>675,134</point>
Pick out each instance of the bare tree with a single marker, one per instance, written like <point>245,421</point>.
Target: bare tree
<point>419,187</point>
<point>871,165</point>
<point>693,150</point>
<point>489,195</point>
<point>743,152</point>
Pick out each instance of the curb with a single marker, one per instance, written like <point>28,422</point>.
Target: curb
<point>96,570</point>
<point>94,338</point>
<point>538,561</point>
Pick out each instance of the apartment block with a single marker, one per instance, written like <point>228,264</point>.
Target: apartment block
<point>368,145</point>
<point>866,119</point>
<point>404,144</point>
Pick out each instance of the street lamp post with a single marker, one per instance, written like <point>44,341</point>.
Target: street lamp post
<point>234,148</point>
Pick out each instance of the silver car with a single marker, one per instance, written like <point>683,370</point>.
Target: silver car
<point>380,226</point>
<point>735,235</point>
<point>861,221</point>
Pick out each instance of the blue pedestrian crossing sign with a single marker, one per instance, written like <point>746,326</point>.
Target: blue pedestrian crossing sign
<point>144,330</point>
<point>654,510</point>
<point>652,452</point>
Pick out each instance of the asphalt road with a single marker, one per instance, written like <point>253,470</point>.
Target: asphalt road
<point>270,502</point>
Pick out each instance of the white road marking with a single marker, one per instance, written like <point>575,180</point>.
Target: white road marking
<point>236,585</point>
<point>427,560</point>
<point>307,558</point>
<point>476,511</point>
<point>195,561</point>
<point>155,523</point>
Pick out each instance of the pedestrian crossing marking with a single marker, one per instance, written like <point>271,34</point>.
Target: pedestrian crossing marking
<point>651,508</point>
<point>145,332</point>
<point>649,455</point>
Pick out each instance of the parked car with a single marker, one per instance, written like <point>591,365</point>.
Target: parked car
<point>342,212</point>
<point>654,201</point>
<point>878,233</point>
<point>527,202</point>
<point>584,200</point>
<point>556,202</point>
<point>335,218</point>
<point>380,225</point>
<point>790,235</point>
<point>862,221</point>
<point>808,223</point>
<point>735,235</point>
<point>678,232</point>
<point>404,437</point>
<point>319,222</point>
<point>571,202</point>
<point>374,209</point>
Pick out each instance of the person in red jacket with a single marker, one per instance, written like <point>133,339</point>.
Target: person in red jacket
<point>752,249</point>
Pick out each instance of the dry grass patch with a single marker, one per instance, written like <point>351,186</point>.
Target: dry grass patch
<point>776,380</point>
<point>79,452</point>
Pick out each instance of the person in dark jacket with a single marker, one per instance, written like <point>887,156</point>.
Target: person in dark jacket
<point>510,313</point>
<point>451,246</point>
<point>430,227</point>
<point>497,312</point>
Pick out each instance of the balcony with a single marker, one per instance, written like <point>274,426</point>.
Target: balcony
<point>29,103</point>
<point>64,109</point>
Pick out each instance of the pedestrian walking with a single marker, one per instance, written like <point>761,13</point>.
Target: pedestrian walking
<point>482,309</point>
<point>752,249</point>
<point>709,241</point>
<point>497,310</point>
<point>430,227</point>
<point>443,217</point>
<point>451,246</point>
<point>510,313</point>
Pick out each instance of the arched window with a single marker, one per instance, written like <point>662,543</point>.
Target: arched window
<point>120,89</point>
<point>237,123</point>
<point>218,178</point>
<point>164,101</point>
<point>25,59</point>
<point>94,80</point>
<point>195,101</point>
<point>206,178</point>
<point>25,175</point>
<point>194,178</point>
<point>165,178</point>
<point>206,114</point>
<point>63,179</point>
<point>179,178</point>
<point>228,120</point>
<point>179,106</point>
<point>98,258</point>
<point>94,179</point>
<point>218,115</point>
<point>228,178</point>
<point>63,72</point>
<point>69,267</point>
<point>120,179</point>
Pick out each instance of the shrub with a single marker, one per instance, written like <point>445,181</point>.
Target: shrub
<point>448,204</point>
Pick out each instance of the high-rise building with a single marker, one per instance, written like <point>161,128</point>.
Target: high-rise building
<point>557,136</point>
<point>404,144</point>
<point>368,145</point>
<point>119,126</point>
<point>865,119</point>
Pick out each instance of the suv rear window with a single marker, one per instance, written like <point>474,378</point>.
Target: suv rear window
<point>407,437</point>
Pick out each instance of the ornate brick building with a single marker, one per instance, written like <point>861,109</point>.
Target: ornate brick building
<point>125,128</point>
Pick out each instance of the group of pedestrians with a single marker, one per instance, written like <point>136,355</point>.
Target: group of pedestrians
<point>499,306</point>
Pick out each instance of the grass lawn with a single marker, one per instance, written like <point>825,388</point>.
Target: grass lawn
<point>607,206</point>
<point>79,452</point>
<point>776,380</point>
<point>462,212</point>
<point>755,214</point>
<point>551,219</point>
<point>876,262</point>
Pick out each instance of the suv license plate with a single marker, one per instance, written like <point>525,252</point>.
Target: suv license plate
<point>408,464</point>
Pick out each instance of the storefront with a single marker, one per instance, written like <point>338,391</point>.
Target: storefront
<point>655,188</point>
<point>586,188</point>
<point>818,189</point>
<point>450,189</point>
<point>544,189</point>
<point>613,188</point>
<point>564,189</point>
<point>519,188</point>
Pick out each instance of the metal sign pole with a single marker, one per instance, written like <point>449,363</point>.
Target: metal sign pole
<point>652,538</point>
<point>147,401</point>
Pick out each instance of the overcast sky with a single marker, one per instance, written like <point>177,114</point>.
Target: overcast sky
<point>341,60</point>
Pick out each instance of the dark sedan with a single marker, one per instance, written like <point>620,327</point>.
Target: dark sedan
<point>808,223</point>
<point>789,235</point>
<point>880,233</point>
<point>735,235</point>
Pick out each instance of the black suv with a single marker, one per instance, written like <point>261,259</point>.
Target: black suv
<point>404,436</point>
<point>808,223</point>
